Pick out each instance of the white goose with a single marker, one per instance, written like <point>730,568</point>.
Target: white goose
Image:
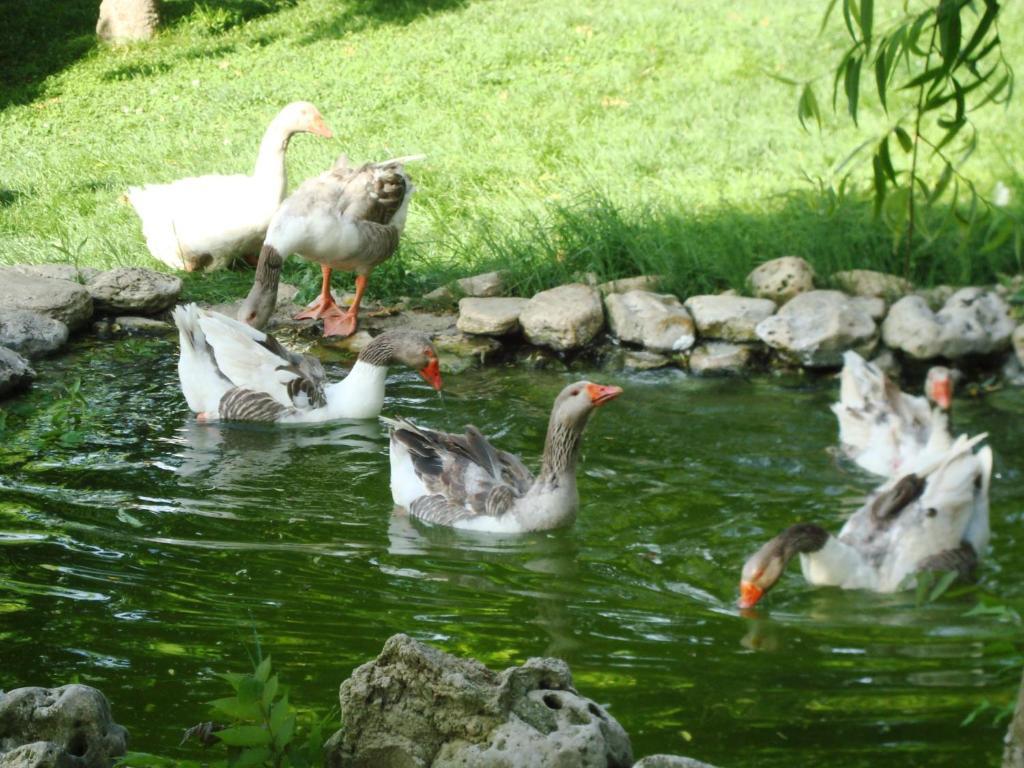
<point>465,482</point>
<point>231,371</point>
<point>933,519</point>
<point>883,429</point>
<point>205,222</point>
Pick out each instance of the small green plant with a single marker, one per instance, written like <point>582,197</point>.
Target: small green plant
<point>261,728</point>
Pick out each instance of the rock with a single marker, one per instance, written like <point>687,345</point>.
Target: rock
<point>972,322</point>
<point>1018,343</point>
<point>38,754</point>
<point>68,302</point>
<point>936,297</point>
<point>670,761</point>
<point>720,357</point>
<point>815,328</point>
<point>627,284</point>
<point>730,318</point>
<point>75,719</point>
<point>563,318</point>
<point>67,272</point>
<point>457,352</point>
<point>15,372</point>
<point>353,344</point>
<point>417,706</point>
<point>781,279</point>
<point>134,289</point>
<point>127,20</point>
<point>490,316</point>
<point>482,286</point>
<point>867,282</point>
<point>642,360</point>
<point>873,306</point>
<point>31,333</point>
<point>886,361</point>
<point>656,321</point>
<point>142,325</point>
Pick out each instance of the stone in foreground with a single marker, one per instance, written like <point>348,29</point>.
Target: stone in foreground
<point>815,328</point>
<point>1018,343</point>
<point>868,282</point>
<point>627,284</point>
<point>31,333</point>
<point>670,761</point>
<point>490,316</point>
<point>729,318</point>
<point>134,290</point>
<point>69,726</point>
<point>68,302</point>
<point>417,706</point>
<point>972,322</point>
<point>655,321</point>
<point>15,372</point>
<point>781,279</point>
<point>58,271</point>
<point>720,357</point>
<point>563,318</point>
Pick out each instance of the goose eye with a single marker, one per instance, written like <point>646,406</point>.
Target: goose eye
<point>574,392</point>
<point>932,512</point>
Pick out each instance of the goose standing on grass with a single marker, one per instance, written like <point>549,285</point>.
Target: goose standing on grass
<point>465,482</point>
<point>348,219</point>
<point>883,429</point>
<point>230,371</point>
<point>205,222</point>
<point>933,519</point>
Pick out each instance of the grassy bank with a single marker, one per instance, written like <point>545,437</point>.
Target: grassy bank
<point>561,137</point>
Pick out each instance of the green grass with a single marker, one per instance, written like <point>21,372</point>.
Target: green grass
<point>562,137</point>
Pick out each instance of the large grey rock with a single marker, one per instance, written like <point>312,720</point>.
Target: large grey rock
<point>642,360</point>
<point>873,306</point>
<point>868,282</point>
<point>417,706</point>
<point>58,271</point>
<point>134,290</point>
<point>972,322</point>
<point>60,299</point>
<point>816,327</point>
<point>31,333</point>
<point>720,357</point>
<point>729,318</point>
<point>39,754</point>
<point>490,316</point>
<point>627,284</point>
<point>1018,343</point>
<point>670,761</point>
<point>781,279</point>
<point>75,719</point>
<point>486,285</point>
<point>656,321</point>
<point>563,318</point>
<point>127,20</point>
<point>15,372</point>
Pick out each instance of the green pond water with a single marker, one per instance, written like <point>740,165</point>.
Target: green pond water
<point>142,552</point>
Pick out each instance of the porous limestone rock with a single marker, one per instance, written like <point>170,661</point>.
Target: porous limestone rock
<point>457,352</point>
<point>873,306</point>
<point>127,20</point>
<point>74,719</point>
<point>490,316</point>
<point>58,271</point>
<point>816,327</point>
<point>1018,343</point>
<point>63,300</point>
<point>670,761</point>
<point>781,279</point>
<point>15,372</point>
<point>937,296</point>
<point>134,290</point>
<point>642,360</point>
<point>486,285</point>
<point>563,318</point>
<point>729,318</point>
<point>720,357</point>
<point>868,282</point>
<point>627,284</point>
<point>656,321</point>
<point>31,333</point>
<point>417,706</point>
<point>973,321</point>
<point>142,326</point>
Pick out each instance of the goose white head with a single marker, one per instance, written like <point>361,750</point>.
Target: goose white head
<point>409,348</point>
<point>938,386</point>
<point>302,117</point>
<point>765,567</point>
<point>577,401</point>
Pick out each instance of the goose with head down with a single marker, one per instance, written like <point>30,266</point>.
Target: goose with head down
<point>465,482</point>
<point>348,219</point>
<point>230,371</point>
<point>205,222</point>
<point>883,429</point>
<point>932,519</point>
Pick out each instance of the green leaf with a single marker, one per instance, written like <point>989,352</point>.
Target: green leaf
<point>245,736</point>
<point>851,83</point>
<point>940,186</point>
<point>881,77</point>
<point>879,184</point>
<point>279,713</point>
<point>925,77</point>
<point>952,129</point>
<point>236,709</point>
<point>269,691</point>
<point>924,582</point>
<point>828,12</point>
<point>886,160</point>
<point>255,756</point>
<point>942,585</point>
<point>808,107</point>
<point>949,33</point>
<point>867,18</point>
<point>850,13</point>
<point>283,737</point>
<point>904,139</point>
<point>263,670</point>
<point>991,11</point>
<point>234,678</point>
<point>250,690</point>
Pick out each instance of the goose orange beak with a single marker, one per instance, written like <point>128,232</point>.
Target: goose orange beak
<point>319,127</point>
<point>599,395</point>
<point>750,593</point>
<point>942,393</point>
<point>431,373</point>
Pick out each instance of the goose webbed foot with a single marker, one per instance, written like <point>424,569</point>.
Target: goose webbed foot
<point>338,323</point>
<point>321,307</point>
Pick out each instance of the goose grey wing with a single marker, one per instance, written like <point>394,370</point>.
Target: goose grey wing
<point>963,560</point>
<point>305,387</point>
<point>239,404</point>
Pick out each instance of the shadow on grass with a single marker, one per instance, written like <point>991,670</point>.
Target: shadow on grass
<point>357,15</point>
